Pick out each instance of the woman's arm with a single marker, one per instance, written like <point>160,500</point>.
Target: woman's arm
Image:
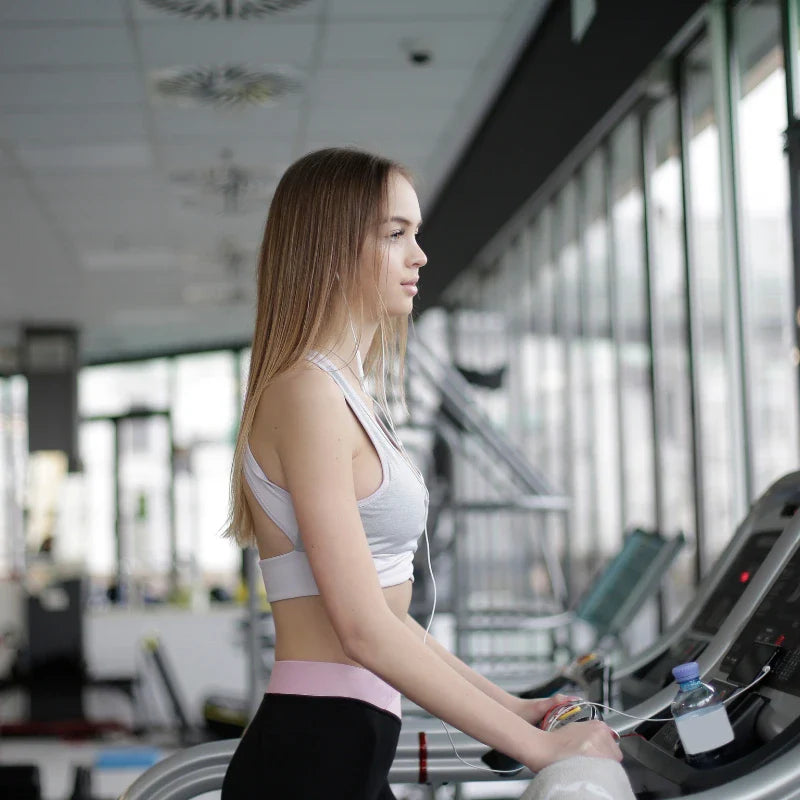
<point>315,444</point>
<point>531,710</point>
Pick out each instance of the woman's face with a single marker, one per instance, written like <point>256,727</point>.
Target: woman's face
<point>393,247</point>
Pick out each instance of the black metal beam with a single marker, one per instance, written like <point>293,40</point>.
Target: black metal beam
<point>558,91</point>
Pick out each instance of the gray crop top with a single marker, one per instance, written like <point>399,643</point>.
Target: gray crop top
<point>393,516</point>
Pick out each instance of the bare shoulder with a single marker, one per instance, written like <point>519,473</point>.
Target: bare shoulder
<point>304,386</point>
<point>301,402</point>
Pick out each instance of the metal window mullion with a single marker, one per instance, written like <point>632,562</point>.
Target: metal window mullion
<point>652,318</point>
<point>615,325</point>
<point>734,308</point>
<point>693,324</point>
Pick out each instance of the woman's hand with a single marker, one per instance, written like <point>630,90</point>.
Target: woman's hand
<point>533,710</point>
<point>592,738</point>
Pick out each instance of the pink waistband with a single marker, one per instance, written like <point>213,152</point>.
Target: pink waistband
<point>330,679</point>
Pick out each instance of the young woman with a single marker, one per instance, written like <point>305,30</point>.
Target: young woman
<point>335,507</point>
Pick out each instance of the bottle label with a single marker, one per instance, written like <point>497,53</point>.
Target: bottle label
<point>704,730</point>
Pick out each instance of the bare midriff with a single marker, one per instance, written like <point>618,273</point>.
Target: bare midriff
<point>304,632</point>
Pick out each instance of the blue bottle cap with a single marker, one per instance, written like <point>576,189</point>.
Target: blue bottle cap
<point>686,672</point>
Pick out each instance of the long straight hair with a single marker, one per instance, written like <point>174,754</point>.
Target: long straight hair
<point>309,281</point>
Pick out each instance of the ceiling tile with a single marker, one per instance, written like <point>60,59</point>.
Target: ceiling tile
<point>454,43</point>
<point>280,120</point>
<point>335,121</point>
<point>65,46</point>
<point>266,153</point>
<point>390,93</point>
<point>198,237</point>
<point>216,44</point>
<point>416,9</point>
<point>36,254</point>
<point>99,125</point>
<point>6,164</point>
<point>57,90</point>
<point>78,157</point>
<point>120,202</point>
<point>51,11</point>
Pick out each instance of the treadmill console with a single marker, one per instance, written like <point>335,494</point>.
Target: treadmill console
<point>657,674</point>
<point>775,623</point>
<point>736,580</point>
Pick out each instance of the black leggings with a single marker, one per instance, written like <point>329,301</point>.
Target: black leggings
<point>299,747</point>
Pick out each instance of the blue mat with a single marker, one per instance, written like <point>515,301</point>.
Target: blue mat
<point>121,757</point>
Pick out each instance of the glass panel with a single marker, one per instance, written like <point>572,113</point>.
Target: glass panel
<point>541,322</point>
<point>96,441</point>
<point>669,288</point>
<point>714,361</point>
<point>117,388</point>
<point>553,377</point>
<point>145,484</point>
<point>244,372</point>
<point>600,362</point>
<point>205,558</point>
<point>631,304</point>
<point>766,241</point>
<point>13,468</point>
<point>507,301</point>
<point>533,345</point>
<point>205,398</point>
<point>575,442</point>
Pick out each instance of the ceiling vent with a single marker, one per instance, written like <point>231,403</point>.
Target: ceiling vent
<point>224,9</point>
<point>231,86</point>
<point>225,188</point>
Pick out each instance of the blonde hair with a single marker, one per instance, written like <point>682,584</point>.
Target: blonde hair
<point>309,281</point>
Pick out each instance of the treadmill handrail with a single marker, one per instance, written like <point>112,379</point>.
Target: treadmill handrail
<point>200,769</point>
<point>185,774</point>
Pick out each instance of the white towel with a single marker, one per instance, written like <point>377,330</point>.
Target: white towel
<point>581,778</point>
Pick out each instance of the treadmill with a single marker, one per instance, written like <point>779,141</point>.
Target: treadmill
<point>646,673</point>
<point>730,593</point>
<point>765,718</point>
<point>640,676</point>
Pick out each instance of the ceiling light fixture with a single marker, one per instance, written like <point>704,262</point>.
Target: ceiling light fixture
<point>230,86</point>
<point>224,9</point>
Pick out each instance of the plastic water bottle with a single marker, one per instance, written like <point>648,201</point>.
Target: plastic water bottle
<point>700,716</point>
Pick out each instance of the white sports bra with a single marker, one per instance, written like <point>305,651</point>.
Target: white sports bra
<point>393,516</point>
